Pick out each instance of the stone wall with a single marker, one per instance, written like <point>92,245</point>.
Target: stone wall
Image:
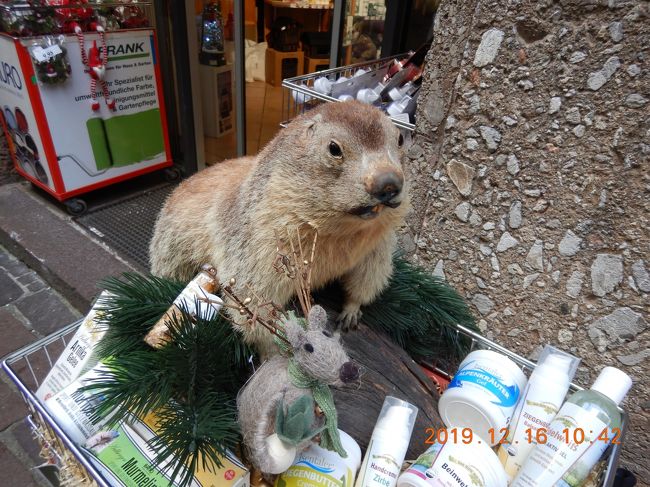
<point>531,189</point>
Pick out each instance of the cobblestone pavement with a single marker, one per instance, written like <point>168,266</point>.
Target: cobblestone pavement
<point>29,309</point>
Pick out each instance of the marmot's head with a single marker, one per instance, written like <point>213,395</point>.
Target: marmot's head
<point>341,163</point>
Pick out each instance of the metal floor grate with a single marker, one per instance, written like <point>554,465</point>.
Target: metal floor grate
<point>127,225</point>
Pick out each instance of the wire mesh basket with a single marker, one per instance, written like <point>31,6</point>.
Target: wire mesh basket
<point>300,95</point>
<point>28,367</point>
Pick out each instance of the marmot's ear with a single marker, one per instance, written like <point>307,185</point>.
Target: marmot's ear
<point>312,122</point>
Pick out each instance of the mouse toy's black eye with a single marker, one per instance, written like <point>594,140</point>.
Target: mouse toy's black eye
<point>327,333</point>
<point>400,140</point>
<point>335,150</point>
<point>309,347</point>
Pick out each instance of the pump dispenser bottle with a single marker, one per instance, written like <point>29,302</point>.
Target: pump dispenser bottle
<point>388,444</point>
<point>539,403</point>
<point>578,435</point>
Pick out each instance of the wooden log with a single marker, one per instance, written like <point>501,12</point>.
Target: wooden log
<point>386,370</point>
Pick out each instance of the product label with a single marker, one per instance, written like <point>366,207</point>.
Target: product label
<point>536,409</point>
<point>440,467</point>
<point>475,373</point>
<point>75,358</point>
<point>573,444</point>
<point>307,474</point>
<point>381,469</point>
<point>126,458</point>
<point>73,408</point>
<point>42,54</point>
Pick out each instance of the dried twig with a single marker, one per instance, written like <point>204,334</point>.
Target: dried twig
<point>295,266</point>
<point>253,315</point>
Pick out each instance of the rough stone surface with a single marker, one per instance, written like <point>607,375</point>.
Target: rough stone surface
<point>582,187</point>
<point>554,105</point>
<point>461,175</point>
<point>488,48</point>
<point>535,257</point>
<point>483,303</point>
<point>513,164</point>
<point>606,273</point>
<point>616,31</point>
<point>635,100</point>
<point>597,79</point>
<point>569,245</point>
<point>574,284</point>
<point>623,324</point>
<point>514,215</point>
<point>506,242</point>
<point>463,211</point>
<point>641,276</point>
<point>491,136</point>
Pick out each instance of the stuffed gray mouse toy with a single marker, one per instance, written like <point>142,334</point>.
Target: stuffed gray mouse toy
<point>287,402</point>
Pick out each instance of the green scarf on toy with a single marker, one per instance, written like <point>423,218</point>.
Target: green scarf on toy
<point>330,438</point>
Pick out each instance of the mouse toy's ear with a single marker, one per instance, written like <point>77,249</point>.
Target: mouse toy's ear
<point>294,332</point>
<point>317,318</point>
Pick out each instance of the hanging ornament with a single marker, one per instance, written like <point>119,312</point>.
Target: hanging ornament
<point>68,16</point>
<point>95,60</point>
<point>131,16</point>
<point>50,59</point>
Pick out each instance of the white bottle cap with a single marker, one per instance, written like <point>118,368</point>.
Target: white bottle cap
<point>367,95</point>
<point>346,98</point>
<point>613,383</point>
<point>397,417</point>
<point>555,367</point>
<point>323,85</point>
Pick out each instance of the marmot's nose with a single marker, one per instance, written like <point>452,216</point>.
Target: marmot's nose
<point>386,186</point>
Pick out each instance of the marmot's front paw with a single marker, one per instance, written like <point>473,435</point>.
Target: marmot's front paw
<point>349,318</point>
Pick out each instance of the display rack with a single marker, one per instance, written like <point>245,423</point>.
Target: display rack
<point>28,366</point>
<point>301,96</point>
<point>122,136</point>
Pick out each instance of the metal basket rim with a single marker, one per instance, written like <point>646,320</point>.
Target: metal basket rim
<point>32,400</point>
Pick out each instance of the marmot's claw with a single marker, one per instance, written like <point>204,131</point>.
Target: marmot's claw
<point>349,319</point>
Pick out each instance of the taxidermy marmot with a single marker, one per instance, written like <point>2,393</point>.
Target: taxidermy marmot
<point>336,169</point>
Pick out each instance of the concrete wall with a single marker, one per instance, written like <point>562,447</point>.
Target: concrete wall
<point>531,184</point>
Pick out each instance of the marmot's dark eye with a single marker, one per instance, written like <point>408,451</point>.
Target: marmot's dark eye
<point>335,149</point>
<point>327,333</point>
<point>400,140</point>
<point>309,347</point>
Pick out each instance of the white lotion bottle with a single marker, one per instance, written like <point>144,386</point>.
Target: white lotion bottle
<point>579,434</point>
<point>540,401</point>
<point>388,444</point>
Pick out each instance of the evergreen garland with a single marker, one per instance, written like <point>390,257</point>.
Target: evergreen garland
<point>192,382</point>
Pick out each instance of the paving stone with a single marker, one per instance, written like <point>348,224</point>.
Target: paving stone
<point>14,332</point>
<point>9,290</point>
<point>24,218</point>
<point>14,267</point>
<point>23,435</point>
<point>45,311</point>
<point>14,469</point>
<point>12,406</point>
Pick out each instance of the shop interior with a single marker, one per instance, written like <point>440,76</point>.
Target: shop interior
<point>284,39</point>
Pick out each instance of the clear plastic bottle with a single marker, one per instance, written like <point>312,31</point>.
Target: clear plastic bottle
<point>578,435</point>
<point>540,402</point>
<point>388,444</point>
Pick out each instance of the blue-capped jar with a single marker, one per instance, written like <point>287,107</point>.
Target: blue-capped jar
<point>482,395</point>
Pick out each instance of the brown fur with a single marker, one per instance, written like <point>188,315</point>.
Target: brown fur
<point>228,215</point>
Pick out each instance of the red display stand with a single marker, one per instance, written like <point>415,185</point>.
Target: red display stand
<point>57,141</point>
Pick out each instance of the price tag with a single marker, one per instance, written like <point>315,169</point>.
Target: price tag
<point>45,54</point>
